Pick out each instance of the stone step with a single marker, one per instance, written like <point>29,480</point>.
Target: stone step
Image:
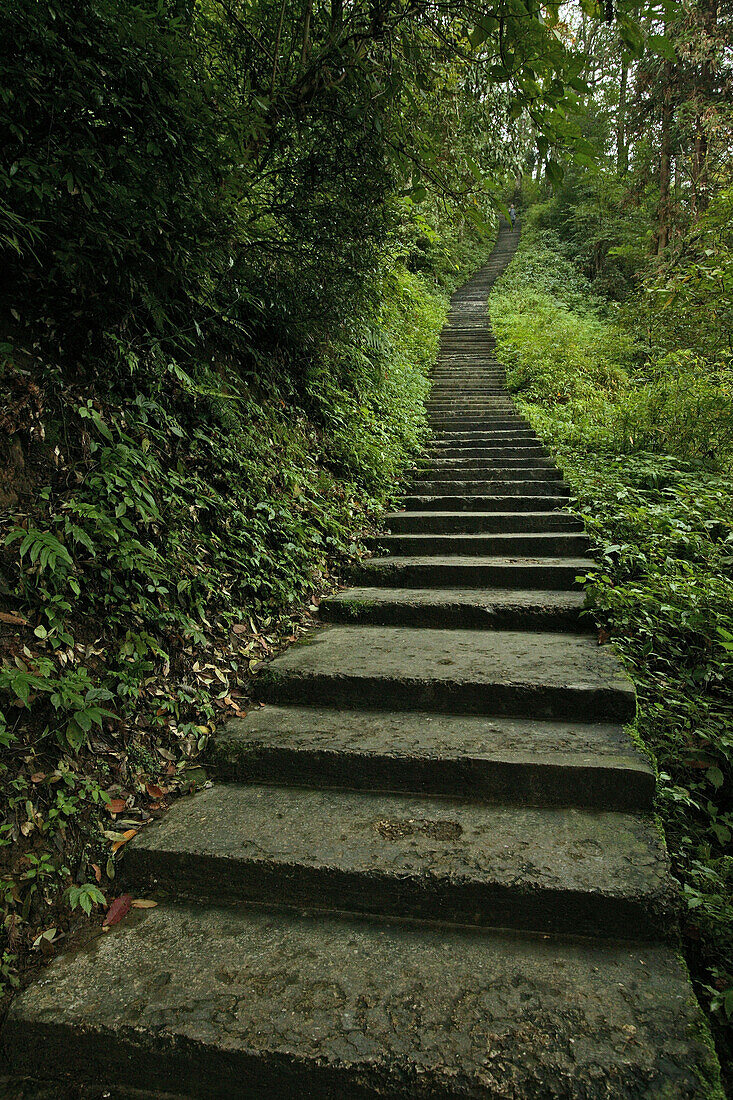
<point>479,522</point>
<point>232,1002</point>
<point>492,472</point>
<point>557,869</point>
<point>542,675</point>
<point>456,609</point>
<point>530,461</point>
<point>467,571</point>
<point>515,761</point>
<point>453,503</point>
<point>527,449</point>
<point>532,544</point>
<point>486,437</point>
<point>532,487</point>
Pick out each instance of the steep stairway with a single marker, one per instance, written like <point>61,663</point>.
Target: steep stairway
<point>428,867</point>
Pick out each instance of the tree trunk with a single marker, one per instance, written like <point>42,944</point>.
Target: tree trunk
<point>664,209</point>
<point>622,149</point>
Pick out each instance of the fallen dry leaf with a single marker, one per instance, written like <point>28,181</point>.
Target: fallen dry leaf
<point>127,835</point>
<point>154,791</point>
<point>38,777</point>
<point>119,908</point>
<point>143,903</point>
<point>116,805</point>
<point>14,620</point>
<point>97,872</point>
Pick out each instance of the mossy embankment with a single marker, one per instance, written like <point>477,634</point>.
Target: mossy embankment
<point>166,523</point>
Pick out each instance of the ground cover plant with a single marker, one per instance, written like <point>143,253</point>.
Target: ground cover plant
<point>644,440</point>
<point>218,316</point>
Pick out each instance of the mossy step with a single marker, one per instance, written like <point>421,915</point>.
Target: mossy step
<point>230,1002</point>
<point>466,571</point>
<point>459,502</point>
<point>535,486</point>
<point>525,449</point>
<point>489,472</point>
<point>565,870</point>
<point>514,673</point>
<point>506,760</point>
<point>532,544</point>
<point>474,522</point>
<point>458,609</point>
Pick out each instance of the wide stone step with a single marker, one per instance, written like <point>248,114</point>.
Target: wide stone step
<point>532,487</point>
<point>590,872</point>
<point>462,422</point>
<point>467,502</point>
<point>524,449</point>
<point>227,1002</point>
<point>534,544</point>
<point>456,609</point>
<point>493,462</point>
<point>502,437</point>
<point>479,522</point>
<point>468,571</point>
<point>489,472</point>
<point>542,675</point>
<point>505,760</point>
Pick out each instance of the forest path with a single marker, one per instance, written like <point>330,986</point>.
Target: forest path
<point>429,869</point>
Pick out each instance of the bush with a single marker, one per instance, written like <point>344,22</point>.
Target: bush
<point>646,448</point>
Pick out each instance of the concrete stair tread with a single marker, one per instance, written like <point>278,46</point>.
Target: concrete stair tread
<point>476,522</point>
<point>455,608</point>
<point>534,543</point>
<point>486,502</point>
<point>469,671</point>
<point>229,1002</point>
<point>544,869</point>
<point>570,600</point>
<point>506,760</point>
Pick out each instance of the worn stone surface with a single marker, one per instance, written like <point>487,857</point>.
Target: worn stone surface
<point>469,571</point>
<point>567,870</point>
<point>536,544</point>
<point>541,674</point>
<point>467,522</point>
<point>514,761</point>
<point>492,502</point>
<point>239,1003</point>
<point>469,608</point>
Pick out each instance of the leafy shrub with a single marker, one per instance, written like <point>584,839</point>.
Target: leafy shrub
<point>646,448</point>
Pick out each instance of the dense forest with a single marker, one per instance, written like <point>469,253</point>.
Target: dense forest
<point>229,234</point>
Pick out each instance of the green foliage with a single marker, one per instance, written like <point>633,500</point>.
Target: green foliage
<point>647,447</point>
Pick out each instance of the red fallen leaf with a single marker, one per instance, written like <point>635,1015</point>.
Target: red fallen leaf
<point>13,620</point>
<point>97,872</point>
<point>154,792</point>
<point>604,637</point>
<point>116,805</point>
<point>119,908</point>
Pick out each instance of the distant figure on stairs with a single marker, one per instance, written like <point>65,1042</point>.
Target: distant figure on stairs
<point>512,215</point>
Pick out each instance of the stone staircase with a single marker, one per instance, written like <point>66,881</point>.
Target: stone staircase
<point>428,867</point>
